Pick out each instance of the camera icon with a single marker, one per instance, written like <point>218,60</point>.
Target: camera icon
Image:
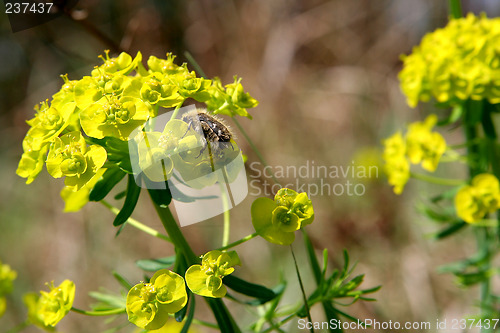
<point>193,155</point>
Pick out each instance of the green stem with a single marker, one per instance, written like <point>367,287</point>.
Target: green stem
<point>227,215</point>
<point>328,309</point>
<point>99,313</point>
<point>472,114</point>
<point>238,242</point>
<point>219,309</point>
<point>436,180</point>
<point>306,305</point>
<point>176,236</point>
<point>455,9</point>
<point>482,237</point>
<point>204,323</point>
<point>176,111</point>
<point>280,323</point>
<point>194,63</point>
<point>136,224</point>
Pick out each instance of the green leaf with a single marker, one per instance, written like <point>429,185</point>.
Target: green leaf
<point>436,216</point>
<point>162,197</point>
<point>262,293</point>
<point>313,261</point>
<point>179,315</point>
<point>153,265</point>
<point>224,319</point>
<point>127,285</point>
<point>455,115</point>
<point>107,301</point>
<point>450,230</point>
<point>133,192</point>
<point>475,109</point>
<point>330,312</point>
<point>448,195</point>
<point>120,195</point>
<point>468,279</point>
<point>190,316</point>
<point>458,267</point>
<point>487,122</point>
<point>109,179</point>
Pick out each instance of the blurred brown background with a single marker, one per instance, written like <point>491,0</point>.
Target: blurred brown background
<point>325,73</point>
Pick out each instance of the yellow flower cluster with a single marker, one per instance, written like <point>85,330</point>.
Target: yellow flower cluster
<point>7,276</point>
<point>455,63</point>
<point>420,146</point>
<point>48,308</point>
<point>474,201</point>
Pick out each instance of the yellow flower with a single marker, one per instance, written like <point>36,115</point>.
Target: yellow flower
<point>455,63</point>
<point>50,307</point>
<point>70,157</point>
<point>206,279</point>
<point>396,166</point>
<point>473,202</point>
<point>7,275</point>
<point>424,146</point>
<point>148,304</point>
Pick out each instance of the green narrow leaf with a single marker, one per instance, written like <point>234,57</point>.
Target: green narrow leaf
<point>120,195</point>
<point>487,122</point>
<point>312,257</point>
<point>250,289</point>
<point>345,271</point>
<point>469,279</point>
<point>162,197</point>
<point>224,320</point>
<point>107,301</point>
<point>476,260</point>
<point>331,313</point>
<point>450,230</point>
<point>110,178</point>
<point>434,215</point>
<point>447,195</point>
<point>119,231</point>
<point>325,264</point>
<point>125,284</point>
<point>329,310</point>
<point>133,192</point>
<point>179,315</point>
<point>455,115</point>
<point>475,111</point>
<point>153,265</point>
<point>190,316</point>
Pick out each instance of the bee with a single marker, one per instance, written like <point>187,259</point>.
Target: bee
<point>217,135</point>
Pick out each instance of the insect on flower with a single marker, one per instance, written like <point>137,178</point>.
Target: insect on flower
<point>215,132</point>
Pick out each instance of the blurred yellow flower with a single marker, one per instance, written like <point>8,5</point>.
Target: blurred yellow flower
<point>424,146</point>
<point>396,166</point>
<point>473,202</point>
<point>455,63</point>
<point>48,308</point>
